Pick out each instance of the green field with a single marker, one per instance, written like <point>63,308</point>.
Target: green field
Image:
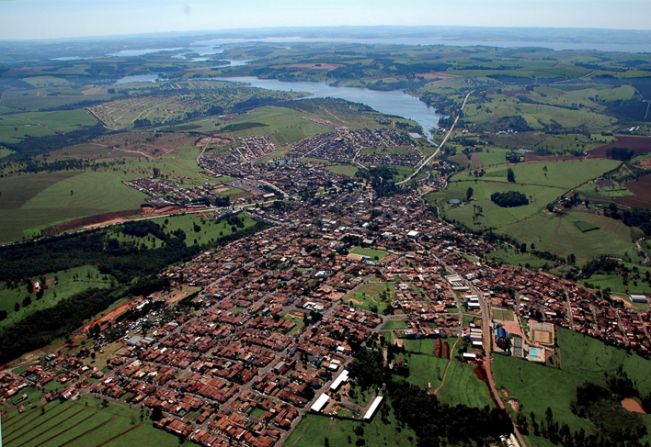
<point>83,423</point>
<point>283,126</point>
<point>559,235</point>
<point>462,387</point>
<point>345,170</point>
<point>15,127</point>
<point>542,183</point>
<point>31,202</point>
<point>372,294</point>
<point>510,255</point>
<point>63,285</point>
<point>503,314</point>
<point>314,429</point>
<point>582,359</point>
<point>370,252</point>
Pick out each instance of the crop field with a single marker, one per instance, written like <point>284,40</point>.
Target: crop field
<point>314,429</point>
<point>15,127</point>
<point>641,193</point>
<point>559,235</point>
<point>83,423</point>
<point>583,358</point>
<point>61,285</point>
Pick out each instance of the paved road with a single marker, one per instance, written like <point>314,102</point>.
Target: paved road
<point>429,159</point>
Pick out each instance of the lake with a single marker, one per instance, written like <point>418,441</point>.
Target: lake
<point>137,78</point>
<point>393,102</point>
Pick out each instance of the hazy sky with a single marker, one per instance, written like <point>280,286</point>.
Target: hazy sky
<point>20,19</point>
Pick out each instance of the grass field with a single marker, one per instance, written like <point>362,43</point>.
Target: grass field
<point>583,359</point>
<point>62,285</point>
<point>512,256</point>
<point>283,126</point>
<point>32,202</point>
<point>542,183</point>
<point>346,170</point>
<point>503,314</point>
<point>371,294</point>
<point>559,235</point>
<point>462,387</point>
<point>370,252</point>
<point>425,370</point>
<point>83,423</point>
<point>314,429</point>
<point>15,127</point>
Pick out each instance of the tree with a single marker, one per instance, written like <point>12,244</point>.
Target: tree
<point>510,175</point>
<point>157,413</point>
<point>469,193</point>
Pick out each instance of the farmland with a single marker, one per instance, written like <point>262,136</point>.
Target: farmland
<point>88,421</point>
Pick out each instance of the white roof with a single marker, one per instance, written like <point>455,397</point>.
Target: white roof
<point>371,411</point>
<point>318,404</point>
<point>343,377</point>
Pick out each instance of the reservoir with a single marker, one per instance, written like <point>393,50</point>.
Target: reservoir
<point>392,102</point>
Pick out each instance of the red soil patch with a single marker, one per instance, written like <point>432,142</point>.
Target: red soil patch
<point>551,158</point>
<point>639,145</point>
<point>646,163</point>
<point>446,351</point>
<point>91,221</point>
<point>632,406</point>
<point>641,189</point>
<point>214,139</point>
<point>315,67</point>
<point>111,316</point>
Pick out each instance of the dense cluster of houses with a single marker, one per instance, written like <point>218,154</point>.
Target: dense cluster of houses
<point>344,146</point>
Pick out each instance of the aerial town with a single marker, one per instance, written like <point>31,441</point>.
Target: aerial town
<point>266,336</point>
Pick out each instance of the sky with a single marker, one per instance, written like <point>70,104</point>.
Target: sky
<point>36,19</point>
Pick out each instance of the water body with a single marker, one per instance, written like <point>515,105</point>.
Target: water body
<point>393,102</point>
<point>557,39</point>
<point>137,78</point>
<point>141,51</point>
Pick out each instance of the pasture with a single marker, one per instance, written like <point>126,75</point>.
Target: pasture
<point>542,183</point>
<point>15,127</point>
<point>32,202</point>
<point>314,429</point>
<point>561,236</point>
<point>373,294</point>
<point>60,286</point>
<point>583,358</point>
